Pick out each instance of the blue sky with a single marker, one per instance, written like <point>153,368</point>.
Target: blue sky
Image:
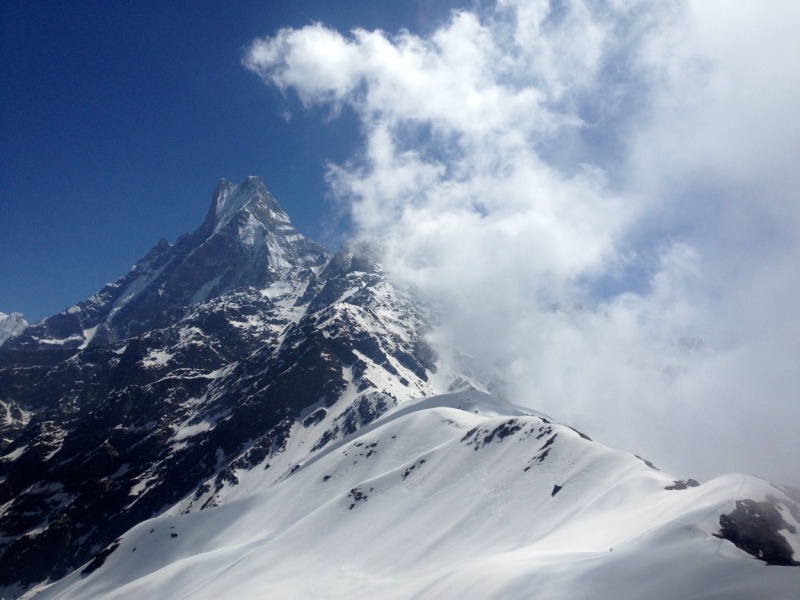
<point>118,119</point>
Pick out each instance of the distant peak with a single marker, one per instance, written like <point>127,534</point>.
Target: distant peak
<point>11,325</point>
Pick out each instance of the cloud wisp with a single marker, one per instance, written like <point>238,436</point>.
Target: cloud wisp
<point>600,198</point>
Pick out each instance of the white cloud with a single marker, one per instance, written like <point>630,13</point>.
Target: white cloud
<point>601,198</point>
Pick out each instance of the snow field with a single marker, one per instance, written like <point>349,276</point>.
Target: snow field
<point>433,501</point>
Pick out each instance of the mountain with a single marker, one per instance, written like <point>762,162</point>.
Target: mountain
<point>11,325</point>
<point>245,415</point>
<point>245,240</point>
<point>115,424</point>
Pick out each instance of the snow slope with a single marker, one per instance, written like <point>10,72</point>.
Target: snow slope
<point>457,496</point>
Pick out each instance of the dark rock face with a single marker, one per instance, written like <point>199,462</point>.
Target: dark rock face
<point>755,528</point>
<point>647,462</point>
<point>680,484</point>
<point>234,339</point>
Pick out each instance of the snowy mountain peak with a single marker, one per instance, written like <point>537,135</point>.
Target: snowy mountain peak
<point>246,240</point>
<point>11,325</point>
<point>229,199</point>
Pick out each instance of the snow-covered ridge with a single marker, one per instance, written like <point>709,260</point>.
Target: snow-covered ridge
<point>435,501</point>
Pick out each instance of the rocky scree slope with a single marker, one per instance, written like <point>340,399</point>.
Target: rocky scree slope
<point>208,361</point>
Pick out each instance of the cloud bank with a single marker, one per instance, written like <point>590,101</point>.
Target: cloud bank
<point>602,199</point>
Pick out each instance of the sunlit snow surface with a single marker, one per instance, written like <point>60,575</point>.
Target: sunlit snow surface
<point>457,496</point>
